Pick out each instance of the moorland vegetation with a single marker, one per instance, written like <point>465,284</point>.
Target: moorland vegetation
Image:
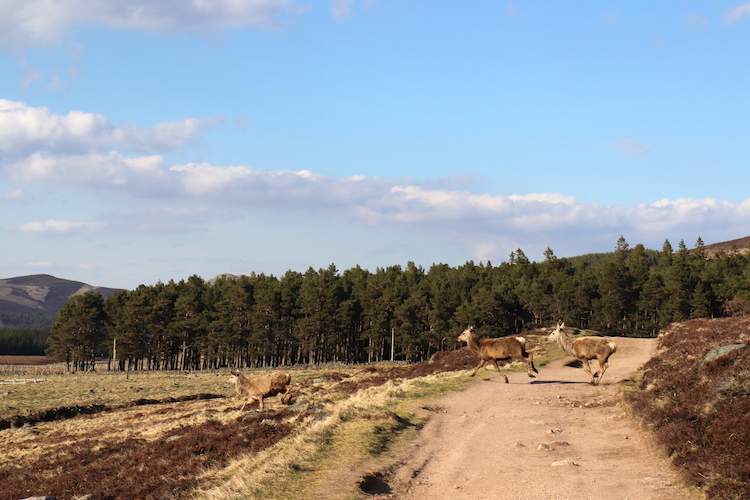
<point>694,398</point>
<point>180,439</point>
<point>406,314</point>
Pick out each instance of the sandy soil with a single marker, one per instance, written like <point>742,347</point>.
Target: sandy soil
<point>554,437</point>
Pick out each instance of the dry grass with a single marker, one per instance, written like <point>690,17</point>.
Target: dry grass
<point>145,436</point>
<point>102,388</point>
<point>327,458</point>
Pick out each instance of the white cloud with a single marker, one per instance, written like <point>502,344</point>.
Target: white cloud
<point>39,264</point>
<point>139,176</point>
<point>41,147</point>
<point>274,188</point>
<point>737,14</point>
<point>15,195</point>
<point>37,23</point>
<point>58,226</point>
<point>25,129</point>
<point>371,200</point>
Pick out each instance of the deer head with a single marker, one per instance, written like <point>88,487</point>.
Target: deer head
<point>556,332</point>
<point>464,337</point>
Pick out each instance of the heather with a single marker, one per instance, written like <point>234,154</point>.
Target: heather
<point>693,396</point>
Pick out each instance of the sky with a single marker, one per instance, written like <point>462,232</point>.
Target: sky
<point>146,141</point>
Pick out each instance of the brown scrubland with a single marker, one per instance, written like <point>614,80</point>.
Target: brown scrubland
<point>694,396</point>
<point>174,435</point>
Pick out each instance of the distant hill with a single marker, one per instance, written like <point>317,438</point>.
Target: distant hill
<point>228,276</point>
<point>29,300</point>
<point>741,245</point>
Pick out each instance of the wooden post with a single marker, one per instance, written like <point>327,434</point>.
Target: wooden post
<point>393,342</point>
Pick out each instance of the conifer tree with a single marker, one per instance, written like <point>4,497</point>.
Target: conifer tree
<point>78,334</point>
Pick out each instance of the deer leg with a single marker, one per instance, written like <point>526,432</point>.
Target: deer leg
<point>603,365</point>
<point>494,362</point>
<point>285,398</point>
<point>530,366</point>
<point>481,364</point>
<point>587,369</point>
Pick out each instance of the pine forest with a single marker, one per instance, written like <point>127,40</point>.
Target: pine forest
<point>404,314</point>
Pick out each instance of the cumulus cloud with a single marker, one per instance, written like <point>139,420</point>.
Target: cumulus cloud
<point>79,149</point>
<point>737,14</point>
<point>137,176</point>
<point>371,200</point>
<point>37,23</point>
<point>59,227</point>
<point>488,225</point>
<point>25,129</point>
<point>275,188</point>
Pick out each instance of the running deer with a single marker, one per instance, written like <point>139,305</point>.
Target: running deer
<point>255,389</point>
<point>493,350</point>
<point>585,349</point>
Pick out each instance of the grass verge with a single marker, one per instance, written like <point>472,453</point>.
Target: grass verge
<point>328,458</point>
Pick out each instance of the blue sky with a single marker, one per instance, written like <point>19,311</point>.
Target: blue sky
<point>145,141</point>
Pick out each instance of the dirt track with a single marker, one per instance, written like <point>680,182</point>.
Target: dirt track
<point>554,437</point>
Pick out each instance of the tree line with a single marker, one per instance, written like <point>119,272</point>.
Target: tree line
<point>359,316</point>
<point>24,334</point>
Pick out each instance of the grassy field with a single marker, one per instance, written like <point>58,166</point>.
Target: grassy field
<point>178,435</point>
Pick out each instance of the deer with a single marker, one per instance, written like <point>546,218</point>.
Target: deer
<point>255,389</point>
<point>585,349</point>
<point>499,349</point>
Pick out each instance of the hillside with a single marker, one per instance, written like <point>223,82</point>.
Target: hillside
<point>39,295</point>
<point>740,245</point>
<point>693,397</point>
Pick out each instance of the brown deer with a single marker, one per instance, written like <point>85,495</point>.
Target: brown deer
<point>493,350</point>
<point>255,389</point>
<point>585,349</point>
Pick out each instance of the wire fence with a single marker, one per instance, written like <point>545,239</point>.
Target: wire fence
<point>32,369</point>
<point>19,381</point>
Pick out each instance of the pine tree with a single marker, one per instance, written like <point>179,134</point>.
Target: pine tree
<point>78,334</point>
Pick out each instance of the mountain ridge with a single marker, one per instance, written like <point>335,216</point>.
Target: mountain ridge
<point>42,294</point>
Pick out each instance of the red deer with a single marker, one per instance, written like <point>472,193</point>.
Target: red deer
<point>494,350</point>
<point>261,387</point>
<point>585,349</point>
